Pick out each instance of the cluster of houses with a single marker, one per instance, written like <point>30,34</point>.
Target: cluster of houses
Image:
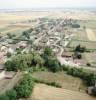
<point>55,33</point>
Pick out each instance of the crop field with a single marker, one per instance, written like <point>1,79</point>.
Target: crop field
<point>80,34</point>
<point>44,92</point>
<point>66,81</point>
<point>14,29</point>
<point>91,35</point>
<point>84,38</point>
<point>91,57</point>
<point>88,23</point>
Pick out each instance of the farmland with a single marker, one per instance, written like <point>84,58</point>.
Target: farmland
<point>44,92</point>
<point>66,81</point>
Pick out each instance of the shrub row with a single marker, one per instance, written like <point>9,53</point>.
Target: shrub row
<point>22,90</point>
<point>48,83</point>
<point>88,77</point>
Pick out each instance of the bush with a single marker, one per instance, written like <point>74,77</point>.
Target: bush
<point>75,26</point>
<point>4,97</point>
<point>10,66</point>
<point>53,65</point>
<point>89,78</point>
<point>8,54</point>
<point>47,83</point>
<point>88,64</point>
<point>25,87</point>
<point>48,51</point>
<point>9,95</point>
<point>24,61</point>
<point>80,49</point>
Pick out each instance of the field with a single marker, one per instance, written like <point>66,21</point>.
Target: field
<point>7,84</point>
<point>66,81</point>
<point>91,35</point>
<point>44,92</point>
<point>16,22</point>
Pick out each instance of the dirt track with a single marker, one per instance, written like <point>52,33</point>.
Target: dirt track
<point>44,92</point>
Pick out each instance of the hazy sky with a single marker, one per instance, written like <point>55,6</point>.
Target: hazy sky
<point>46,3</point>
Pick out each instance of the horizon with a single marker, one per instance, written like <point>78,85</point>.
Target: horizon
<point>42,4</point>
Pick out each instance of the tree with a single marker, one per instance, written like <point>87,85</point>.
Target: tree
<point>53,65</point>
<point>48,51</point>
<point>75,26</point>
<point>19,62</point>
<point>8,54</point>
<point>9,65</point>
<point>38,60</point>
<point>25,87</point>
<point>77,55</point>
<point>26,34</point>
<point>9,35</point>
<point>80,49</point>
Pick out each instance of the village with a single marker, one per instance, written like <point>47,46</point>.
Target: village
<point>56,34</point>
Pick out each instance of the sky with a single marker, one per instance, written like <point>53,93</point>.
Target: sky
<point>13,4</point>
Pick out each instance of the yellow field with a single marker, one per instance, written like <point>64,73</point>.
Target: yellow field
<point>44,92</point>
<point>91,35</point>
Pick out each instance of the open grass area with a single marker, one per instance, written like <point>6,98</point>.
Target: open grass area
<point>66,81</point>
